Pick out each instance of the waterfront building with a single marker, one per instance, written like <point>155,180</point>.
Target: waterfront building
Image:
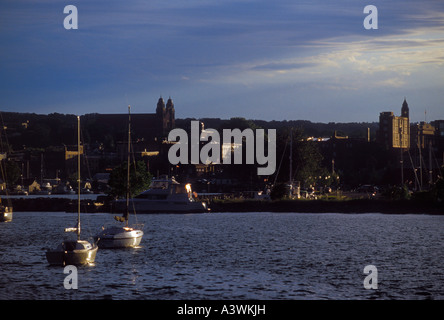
<point>415,149</point>
<point>394,131</point>
<point>422,135</point>
<point>427,151</point>
<point>439,128</point>
<point>439,140</point>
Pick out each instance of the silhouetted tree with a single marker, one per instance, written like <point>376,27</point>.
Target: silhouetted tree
<point>12,173</point>
<point>306,157</point>
<point>140,179</point>
<point>279,191</point>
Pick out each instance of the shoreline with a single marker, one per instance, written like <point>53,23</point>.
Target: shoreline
<point>249,205</point>
<point>331,206</point>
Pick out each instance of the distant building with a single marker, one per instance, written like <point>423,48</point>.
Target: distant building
<point>72,151</point>
<point>394,132</point>
<point>146,126</point>
<point>422,135</point>
<point>149,131</point>
<point>439,128</point>
<point>439,141</point>
<point>60,162</point>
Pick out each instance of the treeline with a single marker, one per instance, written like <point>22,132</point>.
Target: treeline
<point>37,131</point>
<point>32,130</point>
<point>310,129</point>
<point>55,129</point>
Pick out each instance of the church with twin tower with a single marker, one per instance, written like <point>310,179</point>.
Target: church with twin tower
<point>165,115</point>
<point>146,126</point>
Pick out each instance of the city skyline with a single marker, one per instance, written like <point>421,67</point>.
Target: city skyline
<point>269,60</point>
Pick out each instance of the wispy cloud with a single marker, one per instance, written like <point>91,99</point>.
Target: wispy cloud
<point>283,67</point>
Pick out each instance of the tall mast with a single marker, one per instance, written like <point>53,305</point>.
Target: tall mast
<point>291,162</point>
<point>420,161</point>
<point>430,164</point>
<point>78,178</point>
<point>128,166</point>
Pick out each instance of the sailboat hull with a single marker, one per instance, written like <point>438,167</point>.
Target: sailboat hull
<point>119,237</point>
<point>72,253</point>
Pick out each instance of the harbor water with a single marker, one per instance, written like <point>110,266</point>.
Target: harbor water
<point>233,256</point>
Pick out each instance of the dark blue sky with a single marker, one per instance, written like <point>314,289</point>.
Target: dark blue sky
<point>281,59</point>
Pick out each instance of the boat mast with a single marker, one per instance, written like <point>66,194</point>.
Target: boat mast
<point>291,164</point>
<point>420,161</point>
<point>78,177</point>
<point>128,166</point>
<point>430,165</point>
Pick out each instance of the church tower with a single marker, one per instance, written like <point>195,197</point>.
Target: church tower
<point>394,132</point>
<point>165,116</point>
<point>404,126</point>
<point>160,110</point>
<point>170,115</point>
<point>405,109</point>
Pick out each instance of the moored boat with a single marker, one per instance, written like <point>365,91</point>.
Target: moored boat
<point>121,236</point>
<point>73,252</point>
<point>165,195</point>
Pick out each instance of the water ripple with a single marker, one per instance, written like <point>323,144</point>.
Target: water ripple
<point>234,256</point>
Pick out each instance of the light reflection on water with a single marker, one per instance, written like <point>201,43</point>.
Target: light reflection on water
<point>233,256</point>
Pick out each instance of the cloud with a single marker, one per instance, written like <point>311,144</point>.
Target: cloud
<point>391,82</point>
<point>225,47</point>
<point>283,66</point>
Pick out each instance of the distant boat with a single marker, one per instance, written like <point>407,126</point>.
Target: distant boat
<point>5,213</point>
<point>45,189</point>
<point>165,195</point>
<point>63,189</point>
<point>122,236</point>
<point>73,252</point>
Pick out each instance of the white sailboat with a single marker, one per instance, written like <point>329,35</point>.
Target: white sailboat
<point>121,236</point>
<point>73,252</point>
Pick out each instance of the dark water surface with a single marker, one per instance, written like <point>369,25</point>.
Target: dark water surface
<point>233,256</point>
